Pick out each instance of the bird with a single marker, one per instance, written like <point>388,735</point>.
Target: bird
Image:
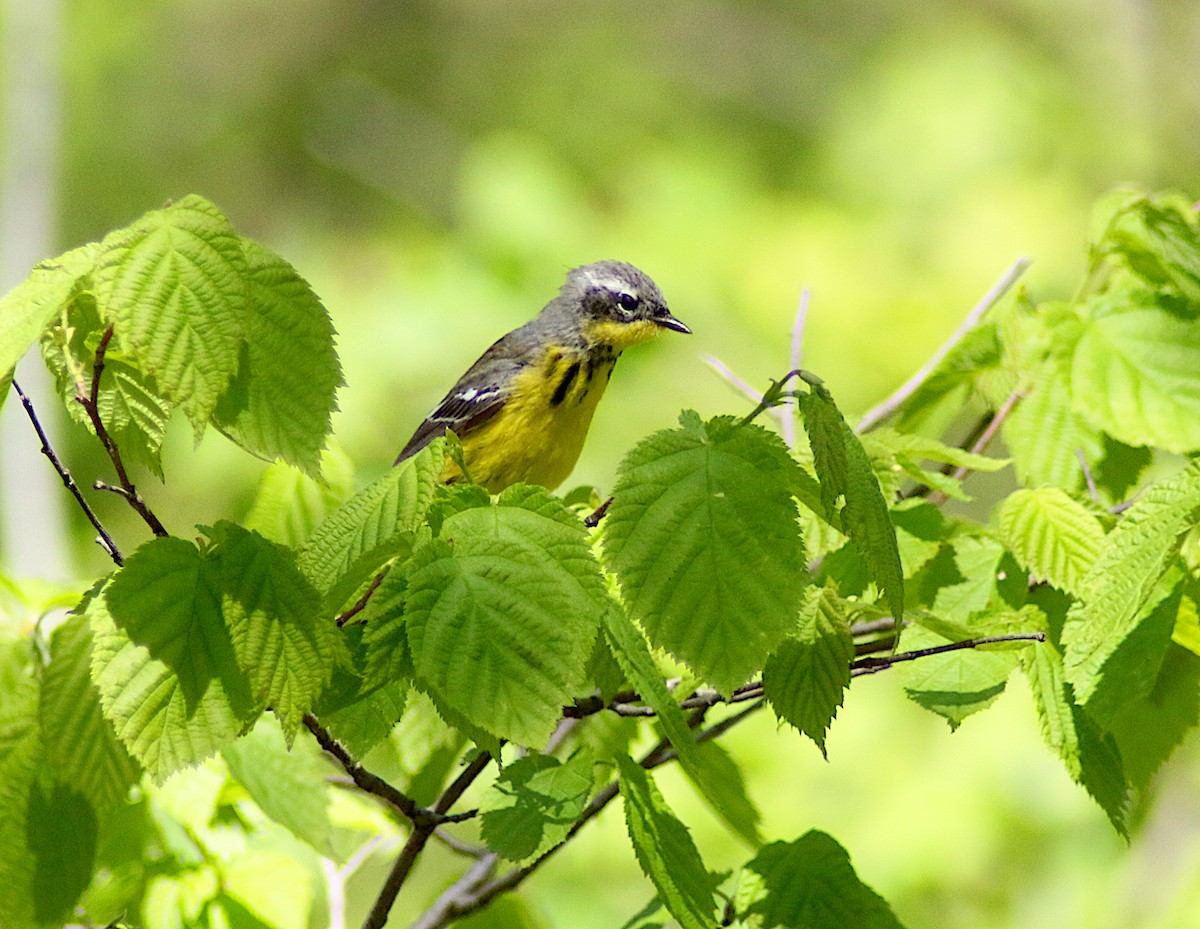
<point>522,411</point>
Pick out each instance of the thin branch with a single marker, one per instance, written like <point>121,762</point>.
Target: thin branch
<point>105,540</point>
<point>794,355</point>
<point>423,828</point>
<point>938,497</point>
<point>872,664</point>
<point>363,779</point>
<point>91,404</point>
<point>889,406</point>
<point>1087,475</point>
<point>362,601</point>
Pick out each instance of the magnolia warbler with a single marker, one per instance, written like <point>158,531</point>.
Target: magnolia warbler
<point>523,409</point>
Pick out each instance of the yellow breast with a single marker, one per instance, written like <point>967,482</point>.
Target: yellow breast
<point>538,435</point>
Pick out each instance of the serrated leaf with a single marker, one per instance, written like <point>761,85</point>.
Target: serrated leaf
<point>27,309</point>
<point>823,425</point>
<point>806,678</point>
<point>632,653</point>
<point>163,660</point>
<point>502,612</point>
<point>1053,537</point>
<point>665,850</point>
<point>279,403</point>
<point>371,527</point>
<point>1091,757</point>
<point>1158,240</point>
<point>289,504</point>
<point>703,537</point>
<point>953,684</point>
<point>284,643</point>
<point>385,640</point>
<point>1136,374</point>
<point>174,285</point>
<point>1132,560</point>
<point>81,748</point>
<point>1045,435</point>
<point>533,804</point>
<point>18,866</point>
<point>869,524</point>
<point>920,447</point>
<point>809,884</point>
<point>289,785</point>
<point>973,583</point>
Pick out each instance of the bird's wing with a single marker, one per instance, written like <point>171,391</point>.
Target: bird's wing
<point>476,398</point>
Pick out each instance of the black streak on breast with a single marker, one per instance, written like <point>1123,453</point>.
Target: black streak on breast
<point>560,392</point>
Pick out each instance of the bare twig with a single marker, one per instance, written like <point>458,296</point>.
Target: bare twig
<point>362,601</point>
<point>423,828</point>
<point>363,779</point>
<point>788,423</point>
<point>1087,475</point>
<point>872,664</point>
<point>91,404</point>
<point>889,406</point>
<point>105,540</point>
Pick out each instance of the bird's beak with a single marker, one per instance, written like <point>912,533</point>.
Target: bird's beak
<point>667,321</point>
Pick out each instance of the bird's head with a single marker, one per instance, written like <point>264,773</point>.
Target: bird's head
<point>620,305</point>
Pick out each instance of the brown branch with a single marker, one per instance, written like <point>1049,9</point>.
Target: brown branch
<point>872,664</point>
<point>91,404</point>
<point>363,779</point>
<point>423,828</point>
<point>362,601</point>
<point>105,540</point>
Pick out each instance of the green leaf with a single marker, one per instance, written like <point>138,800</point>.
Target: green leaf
<point>1054,538</point>
<point>502,611</point>
<point>81,748</point>
<point>174,285</point>
<point>1092,757</point>
<point>923,448</point>
<point>809,884</point>
<point>631,652</point>
<point>289,504</point>
<point>388,657</point>
<point>533,804</point>
<point>848,473</point>
<point>953,684</point>
<point>976,562</point>
<point>1150,728</point>
<point>806,678</point>
<point>1157,239</point>
<point>62,837</point>
<point>371,527</point>
<point>1136,374</point>
<point>27,309</point>
<point>1132,560</point>
<point>279,404</point>
<point>18,866</point>
<point>163,659</point>
<point>703,537</point>
<point>283,642</point>
<point>665,850</point>
<point>290,786</point>
<point>1045,434</point>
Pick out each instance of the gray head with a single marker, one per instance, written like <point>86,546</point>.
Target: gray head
<point>620,304</point>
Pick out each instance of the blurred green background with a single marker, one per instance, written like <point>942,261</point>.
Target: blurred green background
<point>433,168</point>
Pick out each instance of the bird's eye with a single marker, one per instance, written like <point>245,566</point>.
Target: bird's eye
<point>628,302</point>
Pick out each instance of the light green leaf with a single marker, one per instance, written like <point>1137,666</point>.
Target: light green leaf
<point>81,748</point>
<point>1091,756</point>
<point>1045,435</point>
<point>274,888</point>
<point>703,537</point>
<point>806,678</point>
<point>665,850</point>
<point>283,642</point>
<point>279,404</point>
<point>809,884</point>
<point>976,566</point>
<point>18,867</point>
<point>923,448</point>
<point>290,786</point>
<point>631,652</point>
<point>1053,537</point>
<point>27,309</point>
<point>371,527</point>
<point>953,684</point>
<point>1136,374</point>
<point>163,660</point>
<point>1157,238</point>
<point>174,285</point>
<point>869,524</point>
<point>1134,557</point>
<point>289,504</point>
<point>388,658</point>
<point>533,804</point>
<point>502,611</point>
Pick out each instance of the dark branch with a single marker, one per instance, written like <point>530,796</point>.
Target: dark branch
<point>872,663</point>
<point>91,404</point>
<point>105,540</point>
<point>363,779</point>
<point>362,601</point>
